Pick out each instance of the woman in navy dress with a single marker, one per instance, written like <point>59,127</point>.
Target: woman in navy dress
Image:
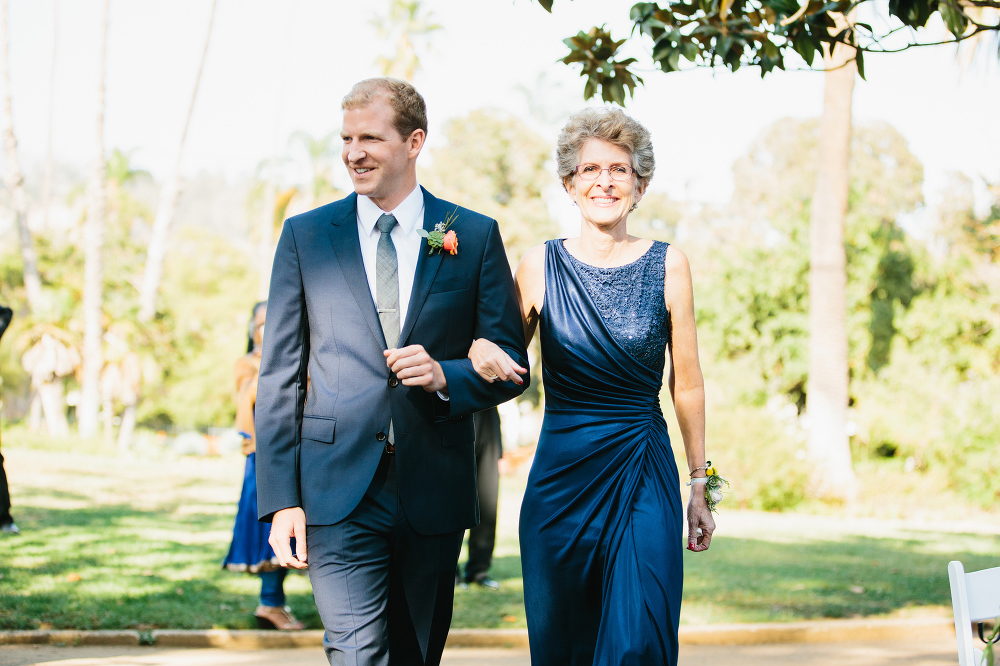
<point>601,521</point>
<point>250,550</point>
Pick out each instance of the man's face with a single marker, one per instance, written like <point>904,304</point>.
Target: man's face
<point>380,161</point>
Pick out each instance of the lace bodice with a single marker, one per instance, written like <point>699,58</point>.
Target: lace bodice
<point>630,300</point>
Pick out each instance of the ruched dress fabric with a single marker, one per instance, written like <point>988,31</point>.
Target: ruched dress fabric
<point>601,520</point>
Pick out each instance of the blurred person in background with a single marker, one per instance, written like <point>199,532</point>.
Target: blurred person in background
<point>7,525</point>
<point>250,550</point>
<point>483,537</point>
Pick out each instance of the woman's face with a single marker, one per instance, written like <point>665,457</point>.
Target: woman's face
<point>604,202</point>
<point>258,326</point>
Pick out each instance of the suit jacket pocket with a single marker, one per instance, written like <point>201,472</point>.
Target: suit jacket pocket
<point>443,286</point>
<point>458,431</point>
<point>318,428</point>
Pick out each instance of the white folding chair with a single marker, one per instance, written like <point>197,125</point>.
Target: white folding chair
<point>974,597</point>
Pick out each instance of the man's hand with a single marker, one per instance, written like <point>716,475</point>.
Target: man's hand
<point>286,524</point>
<point>414,367</point>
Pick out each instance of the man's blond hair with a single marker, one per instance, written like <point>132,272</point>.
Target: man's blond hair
<point>406,102</point>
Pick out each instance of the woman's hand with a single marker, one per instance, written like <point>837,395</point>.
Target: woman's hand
<point>493,363</point>
<point>699,518</point>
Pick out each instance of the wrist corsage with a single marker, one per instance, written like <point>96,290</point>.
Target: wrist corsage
<point>442,239</point>
<point>713,486</point>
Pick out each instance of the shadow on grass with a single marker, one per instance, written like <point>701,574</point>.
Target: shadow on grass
<point>200,605</point>
<point>116,567</point>
<point>756,580</point>
<point>30,493</point>
<point>752,580</point>
<point>35,519</point>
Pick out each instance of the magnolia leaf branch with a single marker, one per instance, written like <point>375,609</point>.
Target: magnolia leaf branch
<point>755,33</point>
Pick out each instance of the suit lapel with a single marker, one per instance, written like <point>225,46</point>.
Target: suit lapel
<point>347,247</point>
<point>427,265</point>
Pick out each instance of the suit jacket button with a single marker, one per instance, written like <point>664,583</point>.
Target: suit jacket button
<point>393,382</point>
<point>380,436</point>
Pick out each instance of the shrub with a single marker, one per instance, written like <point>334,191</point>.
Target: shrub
<point>969,450</point>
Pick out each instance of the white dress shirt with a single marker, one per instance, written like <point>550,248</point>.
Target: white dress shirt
<point>409,217</point>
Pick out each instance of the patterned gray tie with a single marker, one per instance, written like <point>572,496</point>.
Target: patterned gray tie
<point>387,290</point>
<point>387,281</point>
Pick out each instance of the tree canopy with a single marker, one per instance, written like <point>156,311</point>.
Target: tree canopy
<point>495,164</point>
<point>761,33</point>
<point>766,282</point>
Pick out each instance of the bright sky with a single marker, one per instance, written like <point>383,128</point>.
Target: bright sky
<point>277,67</point>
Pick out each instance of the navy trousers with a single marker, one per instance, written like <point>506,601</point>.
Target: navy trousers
<point>383,591</point>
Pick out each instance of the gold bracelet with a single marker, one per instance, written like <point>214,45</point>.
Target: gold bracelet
<point>708,463</point>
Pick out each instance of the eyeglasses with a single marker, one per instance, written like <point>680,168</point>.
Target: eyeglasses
<point>617,172</point>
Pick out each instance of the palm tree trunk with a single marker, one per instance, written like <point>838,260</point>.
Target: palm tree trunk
<point>47,182</point>
<point>35,410</point>
<point>127,428</point>
<point>50,394</point>
<point>14,179</point>
<point>93,271</point>
<point>108,420</point>
<point>827,390</point>
<point>265,247</point>
<point>157,250</point>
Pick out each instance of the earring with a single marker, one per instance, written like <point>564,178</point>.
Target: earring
<point>634,206</point>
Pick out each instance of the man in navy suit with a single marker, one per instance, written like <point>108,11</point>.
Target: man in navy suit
<point>365,436</point>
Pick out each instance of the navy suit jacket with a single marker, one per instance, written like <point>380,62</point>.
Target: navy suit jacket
<point>319,449</point>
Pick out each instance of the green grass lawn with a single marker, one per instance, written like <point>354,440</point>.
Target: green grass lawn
<point>111,543</point>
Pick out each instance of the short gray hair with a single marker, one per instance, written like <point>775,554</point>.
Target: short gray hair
<point>409,107</point>
<point>607,124</point>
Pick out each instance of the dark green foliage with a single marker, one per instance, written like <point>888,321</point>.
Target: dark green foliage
<point>893,288</point>
<point>970,452</point>
<point>757,301</point>
<point>757,33</point>
<point>752,450</point>
<point>596,51</point>
<point>923,320</point>
<point>186,353</point>
<point>207,295</point>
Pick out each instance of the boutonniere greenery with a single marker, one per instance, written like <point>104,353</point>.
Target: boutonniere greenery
<point>442,238</point>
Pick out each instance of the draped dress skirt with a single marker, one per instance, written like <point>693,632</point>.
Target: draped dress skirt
<point>601,520</point>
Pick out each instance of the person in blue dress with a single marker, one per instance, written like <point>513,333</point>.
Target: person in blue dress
<point>250,551</point>
<point>601,521</point>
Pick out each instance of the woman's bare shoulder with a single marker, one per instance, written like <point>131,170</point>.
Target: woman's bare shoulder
<point>533,262</point>
<point>676,263</point>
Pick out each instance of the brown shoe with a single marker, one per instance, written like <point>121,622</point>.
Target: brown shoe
<point>276,617</point>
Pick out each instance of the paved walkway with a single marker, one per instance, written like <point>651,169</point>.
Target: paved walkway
<point>895,653</point>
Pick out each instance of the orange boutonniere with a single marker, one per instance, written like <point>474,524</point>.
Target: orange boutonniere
<point>441,238</point>
<point>450,242</point>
